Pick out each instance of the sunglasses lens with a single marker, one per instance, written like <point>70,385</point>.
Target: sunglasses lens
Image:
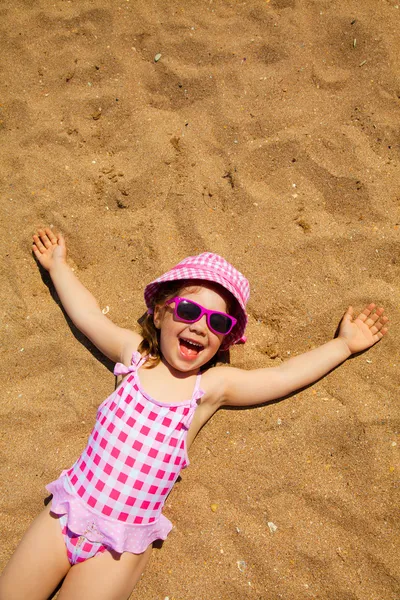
<point>188,311</point>
<point>220,323</point>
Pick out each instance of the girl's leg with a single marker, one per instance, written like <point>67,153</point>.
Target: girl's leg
<point>104,577</point>
<point>38,564</point>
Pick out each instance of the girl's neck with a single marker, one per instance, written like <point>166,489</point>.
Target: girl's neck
<point>175,372</point>
<point>166,384</point>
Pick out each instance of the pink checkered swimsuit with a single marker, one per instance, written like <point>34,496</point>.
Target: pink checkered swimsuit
<point>115,491</point>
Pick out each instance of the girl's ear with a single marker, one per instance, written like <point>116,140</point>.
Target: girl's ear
<point>157,315</point>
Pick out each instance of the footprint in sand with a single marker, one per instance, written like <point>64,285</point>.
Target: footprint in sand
<point>111,189</point>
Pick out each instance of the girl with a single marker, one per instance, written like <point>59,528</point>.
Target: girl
<point>97,532</point>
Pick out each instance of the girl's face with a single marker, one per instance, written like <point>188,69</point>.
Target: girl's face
<point>188,346</point>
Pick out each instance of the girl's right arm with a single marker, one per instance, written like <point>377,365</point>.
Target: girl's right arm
<point>80,305</point>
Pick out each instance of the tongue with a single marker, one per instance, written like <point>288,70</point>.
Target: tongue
<point>188,350</point>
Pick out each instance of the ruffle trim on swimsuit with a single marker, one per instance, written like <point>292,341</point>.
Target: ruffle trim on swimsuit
<point>121,537</point>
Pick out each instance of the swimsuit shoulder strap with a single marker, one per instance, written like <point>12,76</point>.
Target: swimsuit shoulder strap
<point>197,392</point>
<point>138,360</point>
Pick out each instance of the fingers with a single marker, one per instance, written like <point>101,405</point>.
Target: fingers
<point>369,317</point>
<point>51,236</point>
<point>379,326</point>
<point>348,315</point>
<point>45,239</point>
<point>366,312</point>
<point>37,244</point>
<point>374,318</point>
<point>60,239</point>
<point>36,251</point>
<point>378,336</point>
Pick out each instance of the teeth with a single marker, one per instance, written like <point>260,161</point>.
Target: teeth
<point>193,343</point>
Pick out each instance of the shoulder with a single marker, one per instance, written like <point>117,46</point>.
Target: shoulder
<point>215,382</point>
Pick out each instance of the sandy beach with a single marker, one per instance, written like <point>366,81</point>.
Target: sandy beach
<point>268,131</point>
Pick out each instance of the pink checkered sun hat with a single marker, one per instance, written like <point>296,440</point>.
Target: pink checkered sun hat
<point>210,267</point>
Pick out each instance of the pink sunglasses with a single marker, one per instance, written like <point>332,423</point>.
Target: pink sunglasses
<point>189,312</point>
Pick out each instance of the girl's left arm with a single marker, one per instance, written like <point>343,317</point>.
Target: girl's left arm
<point>247,388</point>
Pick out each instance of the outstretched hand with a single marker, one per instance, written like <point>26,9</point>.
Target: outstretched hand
<point>49,248</point>
<point>363,331</point>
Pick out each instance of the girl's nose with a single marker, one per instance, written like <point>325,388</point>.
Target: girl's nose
<point>200,326</point>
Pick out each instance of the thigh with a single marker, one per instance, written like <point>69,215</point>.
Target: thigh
<point>38,564</point>
<point>105,577</point>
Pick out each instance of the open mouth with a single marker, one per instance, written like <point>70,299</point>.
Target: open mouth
<point>189,348</point>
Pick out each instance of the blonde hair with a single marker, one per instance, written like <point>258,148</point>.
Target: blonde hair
<point>150,345</point>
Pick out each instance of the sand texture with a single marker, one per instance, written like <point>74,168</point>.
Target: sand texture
<point>268,132</point>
